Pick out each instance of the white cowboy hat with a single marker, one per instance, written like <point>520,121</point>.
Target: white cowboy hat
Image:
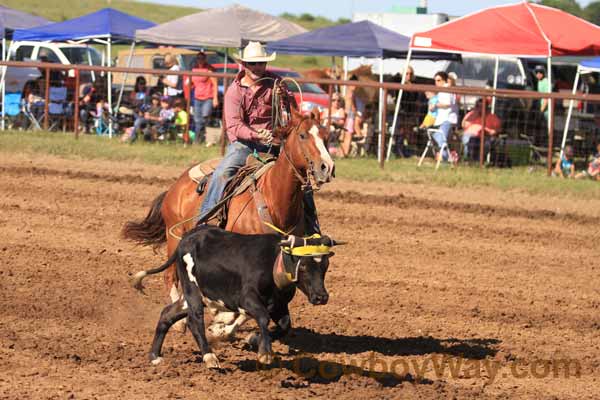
<point>255,52</point>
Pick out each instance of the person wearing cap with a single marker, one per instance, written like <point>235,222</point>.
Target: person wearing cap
<point>206,95</point>
<point>542,86</point>
<point>171,82</point>
<point>248,118</point>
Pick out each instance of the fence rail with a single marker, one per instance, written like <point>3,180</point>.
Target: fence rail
<point>386,87</point>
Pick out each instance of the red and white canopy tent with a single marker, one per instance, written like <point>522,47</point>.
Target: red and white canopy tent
<point>518,30</point>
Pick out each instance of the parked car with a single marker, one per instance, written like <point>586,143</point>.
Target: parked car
<point>154,58</point>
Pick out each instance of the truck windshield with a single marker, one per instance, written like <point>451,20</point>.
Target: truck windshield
<point>82,55</point>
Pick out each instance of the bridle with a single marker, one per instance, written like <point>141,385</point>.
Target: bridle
<point>306,183</point>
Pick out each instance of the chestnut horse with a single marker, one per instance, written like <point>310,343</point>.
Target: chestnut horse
<point>303,157</point>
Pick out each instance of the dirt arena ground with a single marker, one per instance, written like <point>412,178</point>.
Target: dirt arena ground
<point>444,293</point>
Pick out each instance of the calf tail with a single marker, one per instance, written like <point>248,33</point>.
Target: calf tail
<point>136,280</point>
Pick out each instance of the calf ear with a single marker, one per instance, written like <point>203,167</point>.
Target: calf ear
<point>331,254</point>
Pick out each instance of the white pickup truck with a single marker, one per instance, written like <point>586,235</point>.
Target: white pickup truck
<point>61,53</point>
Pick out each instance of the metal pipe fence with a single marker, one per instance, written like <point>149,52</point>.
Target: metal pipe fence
<point>71,97</point>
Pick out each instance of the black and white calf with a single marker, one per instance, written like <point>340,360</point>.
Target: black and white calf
<point>229,271</point>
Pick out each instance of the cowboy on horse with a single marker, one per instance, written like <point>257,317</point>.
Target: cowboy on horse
<point>252,105</point>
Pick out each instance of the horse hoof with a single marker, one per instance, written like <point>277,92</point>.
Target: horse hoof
<point>265,358</point>
<point>211,361</point>
<point>156,361</point>
<point>180,326</point>
<point>252,340</point>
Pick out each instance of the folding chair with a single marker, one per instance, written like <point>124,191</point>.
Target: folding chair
<point>12,109</point>
<point>57,106</point>
<point>30,114</point>
<point>431,145</point>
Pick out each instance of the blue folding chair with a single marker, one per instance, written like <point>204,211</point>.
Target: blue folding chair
<point>12,109</point>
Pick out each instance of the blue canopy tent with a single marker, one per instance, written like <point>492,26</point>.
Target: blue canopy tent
<point>584,67</point>
<point>355,39</point>
<point>106,26</point>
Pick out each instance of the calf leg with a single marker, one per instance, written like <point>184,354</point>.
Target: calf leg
<point>193,297</point>
<point>282,328</point>
<point>251,304</point>
<point>169,315</point>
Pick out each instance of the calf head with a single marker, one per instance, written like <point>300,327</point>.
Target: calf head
<point>309,259</point>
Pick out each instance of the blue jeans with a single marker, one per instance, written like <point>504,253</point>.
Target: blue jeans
<point>235,158</point>
<point>441,137</point>
<point>202,110</point>
<point>465,141</point>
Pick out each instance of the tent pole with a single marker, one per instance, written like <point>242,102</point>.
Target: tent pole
<point>569,113</point>
<point>345,62</point>
<point>4,57</point>
<point>397,109</point>
<point>381,116</point>
<point>549,109</point>
<point>129,58</point>
<point>109,80</point>
<point>495,83</point>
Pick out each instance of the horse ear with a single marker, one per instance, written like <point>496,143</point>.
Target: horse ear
<point>315,115</point>
<point>296,114</point>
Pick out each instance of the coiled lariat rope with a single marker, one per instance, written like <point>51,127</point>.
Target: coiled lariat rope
<point>276,121</point>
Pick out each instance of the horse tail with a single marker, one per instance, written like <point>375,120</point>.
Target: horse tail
<point>136,280</point>
<point>151,231</point>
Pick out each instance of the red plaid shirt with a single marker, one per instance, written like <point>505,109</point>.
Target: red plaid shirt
<point>247,111</point>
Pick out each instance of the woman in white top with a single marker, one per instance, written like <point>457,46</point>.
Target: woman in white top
<point>171,81</point>
<point>446,112</point>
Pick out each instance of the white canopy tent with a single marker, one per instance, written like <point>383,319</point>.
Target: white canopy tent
<point>585,67</point>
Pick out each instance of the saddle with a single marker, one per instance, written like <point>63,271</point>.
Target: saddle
<point>247,177</point>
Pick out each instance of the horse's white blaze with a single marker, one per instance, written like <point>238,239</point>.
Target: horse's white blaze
<point>325,157</point>
<point>189,264</point>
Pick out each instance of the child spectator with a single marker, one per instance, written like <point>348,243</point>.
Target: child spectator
<point>165,117</point>
<point>181,117</point>
<point>565,166</point>
<point>151,118</point>
<point>593,170</point>
<point>429,119</point>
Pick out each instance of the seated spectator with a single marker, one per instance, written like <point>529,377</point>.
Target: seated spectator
<point>145,116</point>
<point>165,117</point>
<point>34,102</point>
<point>471,125</point>
<point>429,119</point>
<point>140,94</point>
<point>338,118</point>
<point>565,166</point>
<point>87,106</point>
<point>181,117</point>
<point>593,170</point>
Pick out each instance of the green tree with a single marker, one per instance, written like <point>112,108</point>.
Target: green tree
<point>570,6</point>
<point>592,12</point>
